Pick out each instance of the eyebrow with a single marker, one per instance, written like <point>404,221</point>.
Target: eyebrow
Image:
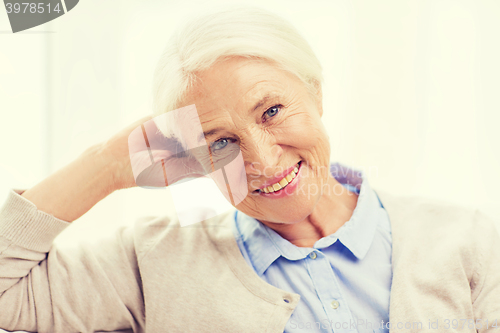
<point>263,100</point>
<point>209,133</point>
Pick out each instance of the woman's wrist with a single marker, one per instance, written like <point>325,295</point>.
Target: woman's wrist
<point>106,166</point>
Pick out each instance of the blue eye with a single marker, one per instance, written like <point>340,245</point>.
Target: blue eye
<point>271,112</point>
<point>220,144</point>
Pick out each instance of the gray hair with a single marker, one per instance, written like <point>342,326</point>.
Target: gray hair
<point>249,32</point>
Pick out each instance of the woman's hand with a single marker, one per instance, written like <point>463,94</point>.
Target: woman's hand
<point>151,159</point>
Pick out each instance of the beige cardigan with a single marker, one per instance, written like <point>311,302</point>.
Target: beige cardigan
<point>156,276</point>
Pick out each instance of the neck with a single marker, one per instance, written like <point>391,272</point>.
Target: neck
<point>330,213</point>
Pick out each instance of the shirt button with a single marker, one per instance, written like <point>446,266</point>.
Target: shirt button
<point>313,255</point>
<point>335,304</point>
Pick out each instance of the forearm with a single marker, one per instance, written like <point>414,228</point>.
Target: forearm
<point>67,289</point>
<point>44,289</point>
<point>71,191</point>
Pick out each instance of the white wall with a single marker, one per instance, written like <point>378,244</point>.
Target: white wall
<point>409,94</point>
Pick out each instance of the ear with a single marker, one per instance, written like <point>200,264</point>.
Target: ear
<point>318,96</point>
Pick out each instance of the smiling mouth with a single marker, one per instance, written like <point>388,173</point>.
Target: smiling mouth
<point>282,183</point>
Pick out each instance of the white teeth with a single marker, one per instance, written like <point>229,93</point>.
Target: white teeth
<point>282,183</point>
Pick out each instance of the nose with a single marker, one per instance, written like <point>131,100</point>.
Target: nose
<point>261,153</point>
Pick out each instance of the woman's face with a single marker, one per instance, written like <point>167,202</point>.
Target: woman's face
<point>276,122</point>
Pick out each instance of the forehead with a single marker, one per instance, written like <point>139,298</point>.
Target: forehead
<point>233,85</point>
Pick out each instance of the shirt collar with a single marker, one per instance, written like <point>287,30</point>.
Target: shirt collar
<point>357,233</point>
<point>264,245</point>
<point>255,238</point>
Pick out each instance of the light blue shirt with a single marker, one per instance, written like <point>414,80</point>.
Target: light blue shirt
<point>344,280</point>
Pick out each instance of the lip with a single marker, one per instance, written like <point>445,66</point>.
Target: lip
<point>276,179</point>
<point>287,190</point>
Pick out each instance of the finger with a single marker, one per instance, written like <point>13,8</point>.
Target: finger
<point>168,172</point>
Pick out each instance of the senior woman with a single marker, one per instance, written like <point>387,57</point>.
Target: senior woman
<point>344,258</point>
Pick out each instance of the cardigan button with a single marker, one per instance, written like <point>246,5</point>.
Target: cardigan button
<point>335,304</point>
<point>286,300</point>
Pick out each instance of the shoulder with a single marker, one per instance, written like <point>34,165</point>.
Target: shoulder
<point>422,213</point>
<point>426,227</point>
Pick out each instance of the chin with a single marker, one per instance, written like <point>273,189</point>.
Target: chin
<point>289,214</point>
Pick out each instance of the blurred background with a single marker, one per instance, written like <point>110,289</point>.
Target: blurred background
<point>410,93</point>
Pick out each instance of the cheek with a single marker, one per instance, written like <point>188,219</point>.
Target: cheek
<point>307,135</point>
<point>308,140</point>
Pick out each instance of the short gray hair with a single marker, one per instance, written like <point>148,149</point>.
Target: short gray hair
<point>239,31</point>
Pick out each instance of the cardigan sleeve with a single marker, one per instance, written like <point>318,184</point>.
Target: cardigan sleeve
<point>84,288</point>
<point>485,283</point>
